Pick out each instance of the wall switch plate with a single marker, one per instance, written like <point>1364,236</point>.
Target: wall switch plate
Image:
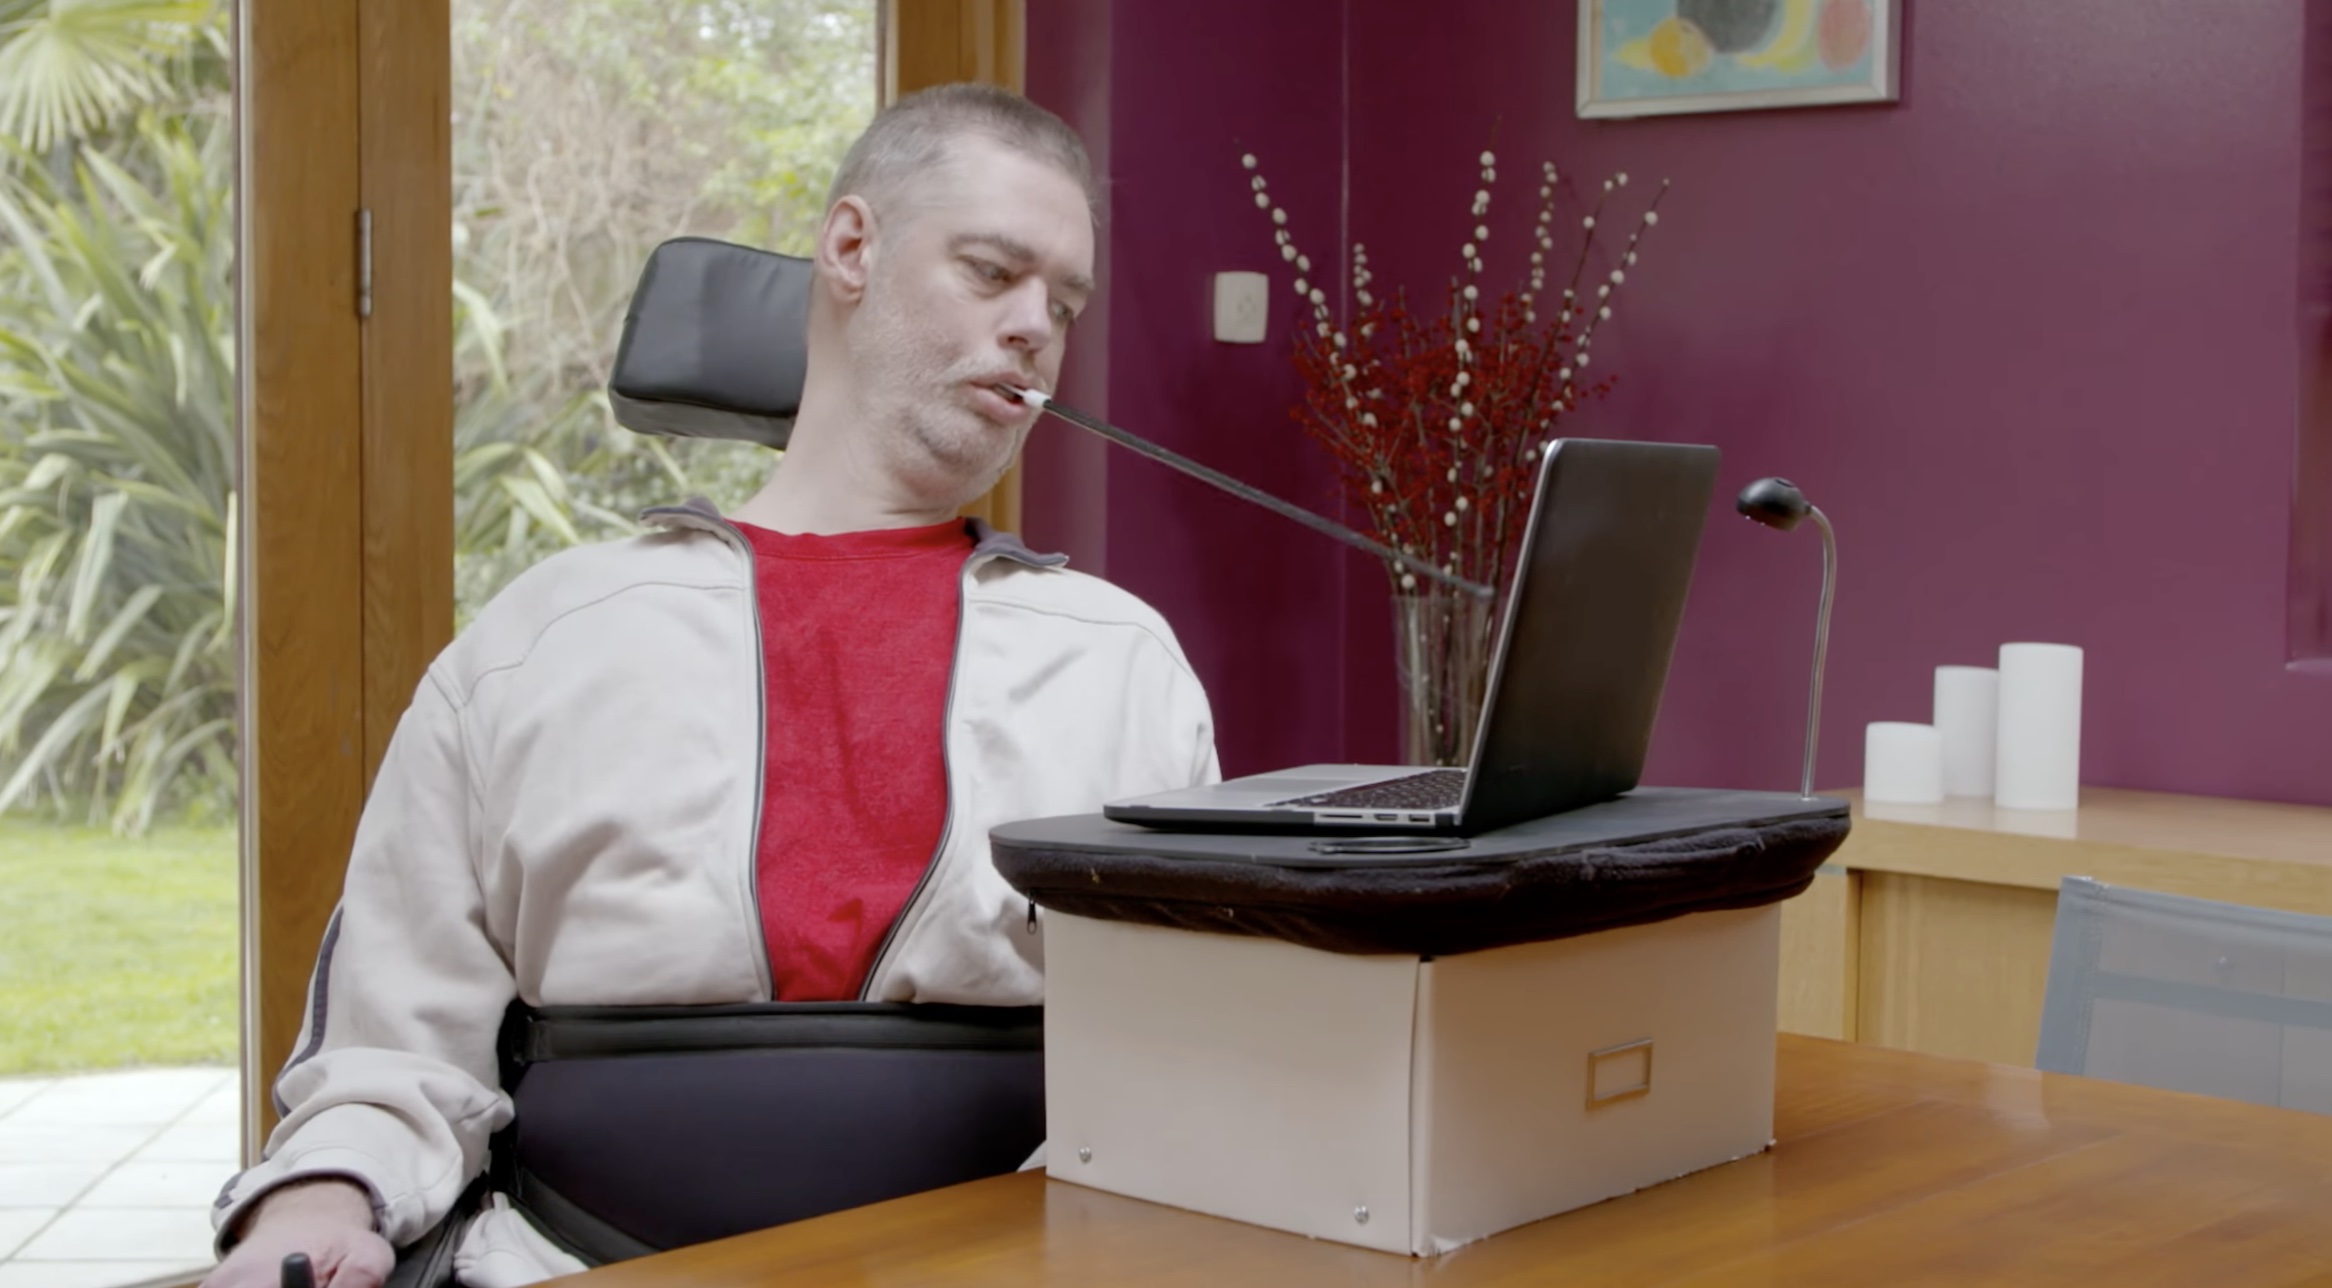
<point>1239,307</point>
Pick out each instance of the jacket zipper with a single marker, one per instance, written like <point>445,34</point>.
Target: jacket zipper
<point>947,775</point>
<point>705,519</point>
<point>760,937</point>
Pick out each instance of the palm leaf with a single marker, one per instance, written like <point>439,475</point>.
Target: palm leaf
<point>69,67</point>
<point>121,691</point>
<point>117,514</point>
<point>124,621</point>
<point>60,734</point>
<point>95,560</point>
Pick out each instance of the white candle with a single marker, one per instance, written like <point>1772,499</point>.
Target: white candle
<point>1902,763</point>
<point>2037,760</point>
<point>1967,717</point>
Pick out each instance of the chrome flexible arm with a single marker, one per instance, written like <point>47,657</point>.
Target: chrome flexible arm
<point>1208,474</point>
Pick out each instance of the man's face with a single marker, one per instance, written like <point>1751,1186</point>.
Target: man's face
<point>974,285</point>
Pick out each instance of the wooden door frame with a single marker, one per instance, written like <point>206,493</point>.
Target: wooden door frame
<point>344,162</point>
<point>344,134</point>
<point>303,549</point>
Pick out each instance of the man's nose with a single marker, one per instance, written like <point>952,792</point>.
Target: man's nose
<point>1028,316</point>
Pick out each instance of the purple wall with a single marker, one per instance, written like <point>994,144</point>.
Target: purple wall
<point>1255,600</point>
<point>2028,336</point>
<point>1065,475</point>
<point>2310,632</point>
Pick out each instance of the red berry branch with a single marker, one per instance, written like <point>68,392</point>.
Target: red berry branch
<point>1437,420</point>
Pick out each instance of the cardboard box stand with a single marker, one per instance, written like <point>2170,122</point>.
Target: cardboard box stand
<point>1401,1103</point>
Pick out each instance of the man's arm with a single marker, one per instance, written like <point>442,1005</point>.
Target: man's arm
<point>392,1090</point>
<point>327,1218</point>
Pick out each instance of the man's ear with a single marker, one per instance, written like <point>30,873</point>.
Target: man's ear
<point>846,249</point>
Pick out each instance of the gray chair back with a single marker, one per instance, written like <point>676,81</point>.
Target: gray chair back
<point>2190,995</point>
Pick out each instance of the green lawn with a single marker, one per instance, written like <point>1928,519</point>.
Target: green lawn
<point>116,952</point>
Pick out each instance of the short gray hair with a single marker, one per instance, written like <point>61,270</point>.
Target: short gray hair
<point>911,138</point>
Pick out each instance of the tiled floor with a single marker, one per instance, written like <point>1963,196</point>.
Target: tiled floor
<point>107,1179</point>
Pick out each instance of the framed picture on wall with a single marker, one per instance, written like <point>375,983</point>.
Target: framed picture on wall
<point>1657,57</point>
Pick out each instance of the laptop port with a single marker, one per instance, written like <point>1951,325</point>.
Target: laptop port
<point>1388,818</point>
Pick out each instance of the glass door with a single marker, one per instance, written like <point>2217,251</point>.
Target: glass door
<point>119,754</point>
<point>585,132</point>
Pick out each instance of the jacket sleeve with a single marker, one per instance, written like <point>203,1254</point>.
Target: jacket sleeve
<point>1189,716</point>
<point>1197,716</point>
<point>393,1082</point>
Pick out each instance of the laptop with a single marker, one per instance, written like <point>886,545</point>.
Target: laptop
<point>1581,655</point>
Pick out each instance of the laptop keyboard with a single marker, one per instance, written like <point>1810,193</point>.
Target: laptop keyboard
<point>1433,789</point>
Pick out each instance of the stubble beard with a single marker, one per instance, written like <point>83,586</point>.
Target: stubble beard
<point>925,432</point>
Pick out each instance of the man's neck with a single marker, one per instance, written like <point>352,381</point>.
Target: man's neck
<point>830,482</point>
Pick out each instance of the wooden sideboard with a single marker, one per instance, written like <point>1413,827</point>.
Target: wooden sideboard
<point>1929,929</point>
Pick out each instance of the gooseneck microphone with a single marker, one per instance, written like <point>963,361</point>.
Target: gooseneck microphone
<point>1777,503</point>
<point>1423,568</point>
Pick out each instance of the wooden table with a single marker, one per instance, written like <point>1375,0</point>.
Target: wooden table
<point>1929,929</point>
<point>1892,1169</point>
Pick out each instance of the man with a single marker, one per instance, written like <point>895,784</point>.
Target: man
<point>742,759</point>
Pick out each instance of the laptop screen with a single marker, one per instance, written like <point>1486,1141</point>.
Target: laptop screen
<point>1589,628</point>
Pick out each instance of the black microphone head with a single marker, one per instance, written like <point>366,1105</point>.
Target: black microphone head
<point>1776,503</point>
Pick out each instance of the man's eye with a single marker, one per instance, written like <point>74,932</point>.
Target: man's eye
<point>988,272</point>
<point>1063,314</point>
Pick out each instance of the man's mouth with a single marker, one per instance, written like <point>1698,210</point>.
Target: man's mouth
<point>1000,400</point>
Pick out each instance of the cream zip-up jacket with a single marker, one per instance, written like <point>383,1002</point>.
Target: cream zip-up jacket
<point>569,813</point>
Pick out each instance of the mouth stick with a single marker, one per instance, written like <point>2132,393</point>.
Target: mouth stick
<point>1044,402</point>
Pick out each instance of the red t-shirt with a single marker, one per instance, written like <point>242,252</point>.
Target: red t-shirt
<point>858,636</point>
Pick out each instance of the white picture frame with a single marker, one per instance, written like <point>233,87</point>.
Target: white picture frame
<point>1652,58</point>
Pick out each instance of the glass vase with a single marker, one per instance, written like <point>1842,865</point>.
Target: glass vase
<point>1442,643</point>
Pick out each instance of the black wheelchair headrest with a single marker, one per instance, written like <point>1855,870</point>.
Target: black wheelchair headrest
<point>715,343</point>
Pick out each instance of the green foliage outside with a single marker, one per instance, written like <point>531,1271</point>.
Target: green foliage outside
<point>117,655</point>
<point>117,651</point>
<point>116,950</point>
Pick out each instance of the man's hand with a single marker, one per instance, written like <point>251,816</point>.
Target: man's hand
<point>330,1220</point>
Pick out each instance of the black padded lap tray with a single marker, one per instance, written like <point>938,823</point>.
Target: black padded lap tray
<point>1653,854</point>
